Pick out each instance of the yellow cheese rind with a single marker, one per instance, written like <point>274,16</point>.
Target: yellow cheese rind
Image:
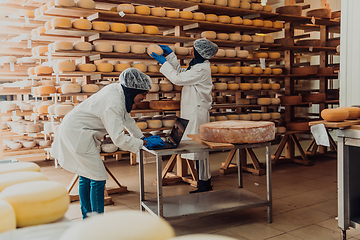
<point>117,27</point>
<point>186,15</point>
<point>158,11</point>
<point>153,30</point>
<point>122,48</point>
<point>61,22</point>
<point>19,167</point>
<point>12,178</point>
<point>7,217</point>
<point>83,24</point>
<point>126,8</point>
<point>104,67</point>
<point>135,28</point>
<point>142,10</point>
<point>100,26</point>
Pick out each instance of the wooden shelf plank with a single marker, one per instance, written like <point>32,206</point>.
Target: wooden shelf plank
<point>304,49</point>
<point>139,37</point>
<point>70,32</point>
<point>246,75</point>
<point>56,37</point>
<point>14,91</point>
<point>199,26</point>
<point>158,3</point>
<point>313,76</point>
<point>18,113</point>
<point>233,105</point>
<point>305,20</point>
<point>70,11</point>
<point>223,43</point>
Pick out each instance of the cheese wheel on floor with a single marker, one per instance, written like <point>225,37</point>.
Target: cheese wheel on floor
<point>86,67</point>
<point>12,178</point>
<point>103,47</point>
<point>158,11</point>
<point>135,28</point>
<point>43,70</point>
<point>61,23</point>
<point>100,26</point>
<point>186,15</point>
<point>122,48</point>
<point>172,14</point>
<point>142,10</point>
<point>154,48</point>
<point>65,3</point>
<point>126,8</point>
<point>62,46</point>
<point>233,131</point>
<point>137,48</point>
<point>211,17</point>
<point>153,30</point>
<point>121,67</point>
<point>104,67</point>
<point>224,19</point>
<point>89,4</point>
<point>83,24</point>
<point>208,34</point>
<point>7,217</point>
<point>19,167</point>
<point>117,27</point>
<point>82,46</point>
<point>37,202</point>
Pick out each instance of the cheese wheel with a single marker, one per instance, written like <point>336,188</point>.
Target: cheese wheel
<point>274,55</point>
<point>232,86</point>
<point>235,70</point>
<point>232,117</point>
<point>199,16</point>
<point>117,27</point>
<point>113,9</point>
<point>267,23</point>
<point>220,53</point>
<point>153,68</point>
<point>122,48</point>
<point>43,9</point>
<point>222,36</point>
<point>223,69</point>
<point>7,217</point>
<point>280,130</point>
<point>267,71</point>
<point>278,24</point>
<point>82,46</point>
<point>153,30</point>
<point>42,109</point>
<point>19,167</point>
<point>86,67</point>
<point>214,69</point>
<point>263,101</point>
<point>276,71</point>
<point>62,110</point>
<point>142,10</point>
<point>83,24</point>
<point>245,86</point>
<point>135,28</point>
<point>224,19</point>
<point>71,88</point>
<point>158,11</point>
<point>65,3</point>
<point>275,101</point>
<point>257,38</point>
<point>275,86</point>
<point>335,114</point>
<point>126,8</point>
<point>118,223</point>
<point>103,47</point>
<point>256,6</point>
<point>245,117</point>
<point>247,22</point>
<point>154,48</point>
<point>233,3</point>
<point>275,115</point>
<point>173,14</point>
<point>212,119</point>
<point>40,30</point>
<point>221,2</point>
<point>236,20</point>
<point>265,116</point>
<point>255,116</point>
<point>220,86</point>
<point>34,31</point>
<point>246,38</point>
<point>208,34</point>
<point>154,123</point>
<point>237,131</point>
<point>230,53</point>
<point>256,86</point>
<point>89,88</point>
<point>31,71</point>
<point>246,70</point>
<point>100,26</point>
<point>62,46</point>
<point>211,17</point>
<point>186,15</point>
<point>242,53</point>
<point>269,39</point>
<point>235,37</point>
<point>354,112</point>
<point>89,4</point>
<point>137,48</point>
<point>60,22</point>
<point>65,67</point>
<point>220,118</point>
<point>121,67</point>
<point>140,66</point>
<point>51,3</point>
<point>142,125</point>
<point>258,23</point>
<point>40,50</point>
<point>267,8</point>
<point>262,55</point>
<point>43,70</point>
<point>12,178</point>
<point>181,50</point>
<point>104,67</point>
<point>37,202</point>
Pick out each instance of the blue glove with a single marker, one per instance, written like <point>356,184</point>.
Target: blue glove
<point>161,59</point>
<point>154,142</point>
<point>167,50</point>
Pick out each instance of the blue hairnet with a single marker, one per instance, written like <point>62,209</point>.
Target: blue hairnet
<point>205,48</point>
<point>134,78</point>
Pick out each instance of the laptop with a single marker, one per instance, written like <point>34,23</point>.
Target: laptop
<point>173,140</point>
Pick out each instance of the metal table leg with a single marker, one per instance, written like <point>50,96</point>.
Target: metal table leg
<point>268,182</point>
<point>141,174</point>
<point>240,174</point>
<point>159,185</point>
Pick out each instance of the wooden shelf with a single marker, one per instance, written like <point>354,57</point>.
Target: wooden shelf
<point>17,112</point>
<point>233,105</point>
<point>315,76</point>
<point>74,12</point>
<point>304,49</point>
<point>14,91</point>
<point>70,32</point>
<point>305,20</point>
<point>224,43</point>
<point>151,111</point>
<point>247,75</point>
<point>65,94</point>
<point>56,37</point>
<point>251,90</point>
<point>158,3</point>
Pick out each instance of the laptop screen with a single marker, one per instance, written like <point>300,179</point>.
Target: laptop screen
<point>178,130</point>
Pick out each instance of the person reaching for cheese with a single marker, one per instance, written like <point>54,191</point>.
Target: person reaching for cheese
<point>196,96</point>
<point>76,144</point>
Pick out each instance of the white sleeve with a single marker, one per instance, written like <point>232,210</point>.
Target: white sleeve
<point>187,77</point>
<point>114,125</point>
<point>131,126</point>
<point>172,59</point>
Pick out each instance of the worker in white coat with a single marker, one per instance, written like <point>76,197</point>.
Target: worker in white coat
<point>76,144</point>
<point>196,96</point>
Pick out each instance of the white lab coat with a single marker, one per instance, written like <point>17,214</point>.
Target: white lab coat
<point>196,99</point>
<point>76,141</point>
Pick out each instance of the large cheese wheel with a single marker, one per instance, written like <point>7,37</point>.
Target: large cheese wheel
<point>235,36</point>
<point>7,217</point>
<point>140,66</point>
<point>89,4</point>
<point>151,30</point>
<point>246,70</point>
<point>154,123</point>
<point>43,109</point>
<point>221,2</point>
<point>165,105</point>
<point>268,23</point>
<point>233,3</point>
<point>158,11</point>
<point>354,112</point>
<point>232,86</point>
<point>41,50</point>
<point>86,67</point>
<point>43,70</point>
<point>266,86</point>
<point>275,101</point>
<point>37,202</point>
<point>257,70</point>
<point>220,53</point>
<point>275,115</point>
<point>135,28</point>
<point>62,46</point>
<point>258,23</point>
<point>19,167</point>
<point>235,70</point>
<point>265,116</point>
<point>263,101</point>
<point>274,55</point>
<point>100,26</point>
<point>61,23</point>
<point>246,38</point>
<point>172,14</point>
<point>223,69</point>
<point>104,67</point>
<point>257,38</point>
<point>222,36</point>
<point>12,178</point>
<point>214,69</point>
<point>256,86</point>
<point>117,27</point>
<point>83,24</point>
<point>247,22</point>
<point>61,109</point>
<point>208,34</point>
<point>121,67</point>
<point>186,15</point>
<point>236,20</point>
<point>220,86</point>
<point>122,48</point>
<point>117,224</point>
<point>103,47</point>
<point>256,6</point>
<point>278,24</point>
<point>154,48</point>
<point>137,48</point>
<point>230,53</point>
<point>269,39</point>
<point>224,19</point>
<point>71,88</point>
<point>290,10</point>
<point>199,16</point>
<point>237,131</point>
<point>267,8</point>
<point>276,71</point>
<point>262,55</point>
<point>89,88</point>
<point>335,114</point>
<point>211,17</point>
<point>142,10</point>
<point>65,3</point>
<point>82,46</point>
<point>242,53</point>
<point>126,8</point>
<point>245,86</point>
<point>40,30</point>
<point>275,86</point>
<point>65,67</point>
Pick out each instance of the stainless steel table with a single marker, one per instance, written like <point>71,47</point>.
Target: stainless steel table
<point>206,202</point>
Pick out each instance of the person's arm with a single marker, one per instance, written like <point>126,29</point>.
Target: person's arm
<point>188,77</point>
<point>131,127</point>
<point>172,59</point>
